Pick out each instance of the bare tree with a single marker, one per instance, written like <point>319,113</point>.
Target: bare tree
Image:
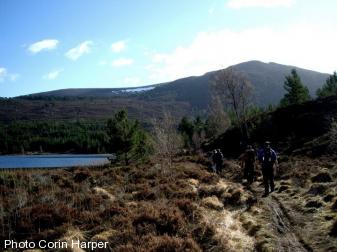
<point>218,120</point>
<point>167,140</point>
<point>236,92</point>
<point>198,139</point>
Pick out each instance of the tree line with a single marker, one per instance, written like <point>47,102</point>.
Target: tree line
<point>232,96</point>
<point>231,104</point>
<point>53,136</point>
<point>298,93</point>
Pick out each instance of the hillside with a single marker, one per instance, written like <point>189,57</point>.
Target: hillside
<point>187,96</point>
<point>51,108</point>
<point>299,128</point>
<point>182,205</point>
<point>267,79</point>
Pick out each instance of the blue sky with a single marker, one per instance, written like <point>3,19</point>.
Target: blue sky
<point>48,44</point>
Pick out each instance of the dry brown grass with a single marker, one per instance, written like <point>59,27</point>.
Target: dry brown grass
<point>136,208</point>
<point>74,234</point>
<point>212,202</point>
<point>307,190</point>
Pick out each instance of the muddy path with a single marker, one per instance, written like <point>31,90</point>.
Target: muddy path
<point>288,239</point>
<point>266,225</point>
<point>279,223</point>
<point>295,217</point>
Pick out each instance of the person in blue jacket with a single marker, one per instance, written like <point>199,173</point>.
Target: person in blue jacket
<point>267,157</point>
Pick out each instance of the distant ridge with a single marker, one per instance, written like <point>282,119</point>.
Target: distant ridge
<point>267,78</point>
<point>187,96</point>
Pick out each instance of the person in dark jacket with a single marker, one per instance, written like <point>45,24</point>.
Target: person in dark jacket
<point>248,163</point>
<point>213,157</point>
<point>267,157</point>
<point>219,161</point>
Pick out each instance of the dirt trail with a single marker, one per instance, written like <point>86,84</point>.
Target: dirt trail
<point>280,225</point>
<point>274,219</point>
<point>287,238</point>
<point>228,224</point>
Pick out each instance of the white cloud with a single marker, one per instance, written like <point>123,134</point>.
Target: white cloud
<point>132,81</point>
<point>52,75</point>
<point>118,46</point>
<point>237,4</point>
<point>5,75</point>
<point>78,51</point>
<point>3,71</point>
<point>43,45</point>
<point>122,62</point>
<point>300,45</point>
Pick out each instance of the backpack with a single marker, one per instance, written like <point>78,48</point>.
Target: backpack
<point>268,156</point>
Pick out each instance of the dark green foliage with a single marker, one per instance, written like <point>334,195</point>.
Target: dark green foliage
<point>126,137</point>
<point>67,137</point>
<point>199,125</point>
<point>51,136</point>
<point>254,112</point>
<point>296,92</point>
<point>143,146</point>
<point>295,129</point>
<point>190,130</point>
<point>329,88</point>
<point>186,129</point>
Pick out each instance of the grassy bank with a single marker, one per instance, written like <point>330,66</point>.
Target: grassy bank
<point>184,207</point>
<point>148,207</point>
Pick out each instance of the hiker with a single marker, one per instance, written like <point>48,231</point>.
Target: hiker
<point>248,163</point>
<point>267,157</point>
<point>217,160</point>
<point>214,160</point>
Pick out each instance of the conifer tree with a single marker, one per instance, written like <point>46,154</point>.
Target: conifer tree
<point>126,137</point>
<point>329,88</point>
<point>296,92</point>
<point>186,129</point>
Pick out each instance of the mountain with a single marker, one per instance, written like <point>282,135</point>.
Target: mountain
<point>93,92</point>
<point>267,79</point>
<point>186,96</point>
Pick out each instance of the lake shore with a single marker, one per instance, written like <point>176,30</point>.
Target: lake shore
<point>180,206</point>
<point>150,206</point>
<point>54,160</point>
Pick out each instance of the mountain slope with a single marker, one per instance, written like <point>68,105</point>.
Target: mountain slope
<point>187,96</point>
<point>267,79</point>
<point>293,129</point>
